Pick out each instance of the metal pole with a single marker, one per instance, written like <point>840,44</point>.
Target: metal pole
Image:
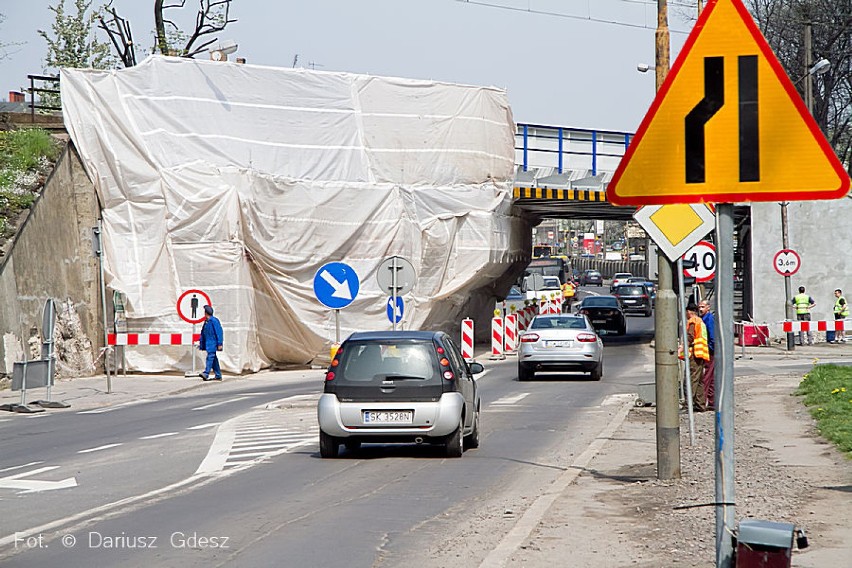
<point>103,304</point>
<point>788,286</point>
<point>393,292</point>
<point>687,383</point>
<point>337,326</point>
<point>665,339</point>
<point>725,387</point>
<point>193,349</point>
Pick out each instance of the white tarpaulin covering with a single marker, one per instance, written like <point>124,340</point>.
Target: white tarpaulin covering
<point>243,181</point>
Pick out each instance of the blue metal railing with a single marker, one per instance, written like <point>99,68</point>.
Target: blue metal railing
<point>594,145</point>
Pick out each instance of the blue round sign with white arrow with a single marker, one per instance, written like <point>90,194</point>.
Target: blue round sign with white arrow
<point>336,285</point>
<point>395,315</point>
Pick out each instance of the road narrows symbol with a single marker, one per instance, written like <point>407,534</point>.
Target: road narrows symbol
<point>714,98</point>
<point>749,132</point>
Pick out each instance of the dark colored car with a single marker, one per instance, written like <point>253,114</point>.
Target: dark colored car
<point>605,313</point>
<point>649,286</point>
<point>591,277</point>
<point>398,387</point>
<point>634,298</point>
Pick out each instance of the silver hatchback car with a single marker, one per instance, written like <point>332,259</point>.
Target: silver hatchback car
<point>560,342</point>
<point>399,386</point>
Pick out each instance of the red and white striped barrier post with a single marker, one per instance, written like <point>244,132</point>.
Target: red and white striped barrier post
<point>467,339</point>
<point>152,338</point>
<point>497,338</point>
<point>511,334</point>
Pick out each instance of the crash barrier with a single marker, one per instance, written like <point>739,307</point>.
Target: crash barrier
<point>36,373</point>
<point>510,334</point>
<point>749,334</point>
<point>467,339</point>
<point>497,338</point>
<point>152,338</point>
<point>820,325</point>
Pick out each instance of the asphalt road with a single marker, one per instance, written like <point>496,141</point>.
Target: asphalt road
<point>215,478</point>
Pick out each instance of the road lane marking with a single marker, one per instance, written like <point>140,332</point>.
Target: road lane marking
<point>499,555</point>
<point>220,403</point>
<point>35,485</point>
<point>511,399</point>
<point>20,466</point>
<point>202,426</point>
<point>155,436</point>
<point>99,448</point>
<point>116,407</point>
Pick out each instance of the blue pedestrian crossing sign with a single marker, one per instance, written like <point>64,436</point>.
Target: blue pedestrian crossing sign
<point>336,284</point>
<point>395,315</point>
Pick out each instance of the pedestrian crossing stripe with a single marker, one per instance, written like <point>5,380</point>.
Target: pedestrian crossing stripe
<point>559,194</point>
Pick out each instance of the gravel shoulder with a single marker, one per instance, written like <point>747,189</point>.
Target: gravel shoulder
<point>618,514</point>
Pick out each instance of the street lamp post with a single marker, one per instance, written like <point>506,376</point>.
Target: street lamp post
<point>817,68</point>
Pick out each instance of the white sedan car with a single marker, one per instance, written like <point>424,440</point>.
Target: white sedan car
<point>560,342</point>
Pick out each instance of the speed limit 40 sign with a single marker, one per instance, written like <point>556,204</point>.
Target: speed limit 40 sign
<point>787,262</point>
<point>703,255</point>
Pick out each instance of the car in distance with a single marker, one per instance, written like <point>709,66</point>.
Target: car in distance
<point>514,301</point>
<point>649,286</point>
<point>560,342</point>
<point>399,387</point>
<point>605,313</point>
<point>591,277</point>
<point>618,279</point>
<point>633,298</point>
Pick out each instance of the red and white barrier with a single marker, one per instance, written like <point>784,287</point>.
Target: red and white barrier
<point>821,325</point>
<point>497,338</point>
<point>467,339</point>
<point>510,334</point>
<point>152,338</point>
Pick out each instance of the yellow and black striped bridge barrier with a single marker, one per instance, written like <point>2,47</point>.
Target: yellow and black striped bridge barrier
<point>559,194</point>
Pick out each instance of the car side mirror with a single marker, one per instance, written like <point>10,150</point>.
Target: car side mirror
<point>475,367</point>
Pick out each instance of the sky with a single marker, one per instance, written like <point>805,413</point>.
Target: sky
<point>569,63</point>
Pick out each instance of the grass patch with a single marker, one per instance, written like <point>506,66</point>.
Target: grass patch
<point>827,392</point>
<point>25,150</point>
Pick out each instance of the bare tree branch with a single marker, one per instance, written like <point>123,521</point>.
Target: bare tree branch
<point>118,31</point>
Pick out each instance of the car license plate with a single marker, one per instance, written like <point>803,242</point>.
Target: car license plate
<point>558,343</point>
<point>629,301</point>
<point>598,321</point>
<point>388,417</point>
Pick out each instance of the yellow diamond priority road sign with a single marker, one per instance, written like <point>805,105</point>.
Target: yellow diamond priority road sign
<point>676,228</point>
<point>727,126</point>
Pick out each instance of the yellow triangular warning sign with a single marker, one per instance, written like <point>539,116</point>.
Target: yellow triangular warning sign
<point>727,126</point>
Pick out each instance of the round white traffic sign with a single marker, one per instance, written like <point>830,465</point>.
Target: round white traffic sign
<point>190,306</point>
<point>786,262</point>
<point>703,254</point>
<point>396,276</point>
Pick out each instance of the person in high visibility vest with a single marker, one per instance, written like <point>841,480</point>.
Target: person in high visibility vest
<point>699,354</point>
<point>841,311</point>
<point>568,292</point>
<point>804,304</point>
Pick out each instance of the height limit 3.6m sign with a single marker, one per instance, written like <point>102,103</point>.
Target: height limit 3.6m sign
<point>727,126</point>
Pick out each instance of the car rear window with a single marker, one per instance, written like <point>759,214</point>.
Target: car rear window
<point>600,302</point>
<point>558,322</point>
<point>368,361</point>
<point>630,290</point>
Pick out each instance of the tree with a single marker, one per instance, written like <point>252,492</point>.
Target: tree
<point>72,42</point>
<point>212,17</point>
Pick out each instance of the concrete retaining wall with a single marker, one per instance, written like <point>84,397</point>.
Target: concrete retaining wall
<point>52,258</point>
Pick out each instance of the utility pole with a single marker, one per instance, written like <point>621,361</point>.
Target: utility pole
<point>665,338</point>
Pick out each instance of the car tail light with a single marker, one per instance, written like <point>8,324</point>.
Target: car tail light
<point>449,375</point>
<point>529,338</point>
<point>586,337</point>
<point>329,376</point>
<point>584,312</point>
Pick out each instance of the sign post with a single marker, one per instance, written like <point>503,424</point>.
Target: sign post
<point>396,275</point>
<point>708,138</point>
<point>187,309</point>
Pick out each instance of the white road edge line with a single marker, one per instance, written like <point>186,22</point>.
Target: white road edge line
<point>116,407</point>
<point>511,399</point>
<point>20,466</point>
<point>498,556</point>
<point>220,403</point>
<point>202,426</point>
<point>99,448</point>
<point>155,436</point>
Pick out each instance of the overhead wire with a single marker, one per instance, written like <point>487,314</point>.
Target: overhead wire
<point>589,17</point>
